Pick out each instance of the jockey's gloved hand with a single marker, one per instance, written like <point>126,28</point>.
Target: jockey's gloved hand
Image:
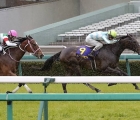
<point>18,43</point>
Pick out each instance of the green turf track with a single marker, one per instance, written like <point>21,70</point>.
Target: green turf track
<point>100,110</point>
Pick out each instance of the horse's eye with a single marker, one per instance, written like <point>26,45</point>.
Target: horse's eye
<point>34,44</point>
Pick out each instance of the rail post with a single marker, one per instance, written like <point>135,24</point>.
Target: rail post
<point>9,110</point>
<point>19,69</point>
<point>128,67</point>
<point>44,104</point>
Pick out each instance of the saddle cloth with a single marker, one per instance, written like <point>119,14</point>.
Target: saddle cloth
<point>84,51</point>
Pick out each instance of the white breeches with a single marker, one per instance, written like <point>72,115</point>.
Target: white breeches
<point>95,43</point>
<point>0,48</point>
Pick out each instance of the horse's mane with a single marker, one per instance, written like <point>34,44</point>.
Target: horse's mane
<point>123,37</point>
<point>18,40</point>
<point>21,39</point>
<point>119,38</point>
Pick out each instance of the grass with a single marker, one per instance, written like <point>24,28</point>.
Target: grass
<point>74,110</point>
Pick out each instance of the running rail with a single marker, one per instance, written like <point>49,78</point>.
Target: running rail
<point>70,97</point>
<point>45,97</point>
<point>51,46</point>
<point>70,79</point>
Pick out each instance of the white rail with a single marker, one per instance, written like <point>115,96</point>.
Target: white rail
<point>50,46</point>
<point>70,79</point>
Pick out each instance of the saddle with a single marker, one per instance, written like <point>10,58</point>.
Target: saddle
<point>3,52</point>
<point>7,47</point>
<point>85,50</point>
<point>15,41</point>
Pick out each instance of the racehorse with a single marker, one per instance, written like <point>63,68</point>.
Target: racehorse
<point>106,61</point>
<point>10,60</point>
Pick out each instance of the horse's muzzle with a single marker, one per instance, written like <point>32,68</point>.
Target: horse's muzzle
<point>41,56</point>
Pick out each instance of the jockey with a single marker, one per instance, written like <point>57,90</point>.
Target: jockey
<point>5,39</point>
<point>99,38</point>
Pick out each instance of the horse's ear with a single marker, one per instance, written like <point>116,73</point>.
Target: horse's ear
<point>130,35</point>
<point>127,34</point>
<point>30,36</point>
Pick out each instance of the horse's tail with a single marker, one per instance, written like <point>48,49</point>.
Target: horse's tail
<point>48,63</point>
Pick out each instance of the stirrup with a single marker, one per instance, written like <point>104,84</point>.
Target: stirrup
<point>90,55</point>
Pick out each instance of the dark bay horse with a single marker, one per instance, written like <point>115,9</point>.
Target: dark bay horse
<point>106,61</point>
<point>9,61</point>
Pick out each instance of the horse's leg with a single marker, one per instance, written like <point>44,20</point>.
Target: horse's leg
<point>26,87</point>
<point>64,87</point>
<point>111,84</point>
<point>117,71</point>
<point>134,84</point>
<point>10,73</point>
<point>69,73</point>
<point>19,85</point>
<point>17,88</point>
<point>78,72</point>
<point>92,87</point>
<point>70,69</point>
<point>122,72</point>
<point>125,74</point>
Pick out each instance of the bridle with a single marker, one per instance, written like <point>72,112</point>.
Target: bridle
<point>24,49</point>
<point>29,43</point>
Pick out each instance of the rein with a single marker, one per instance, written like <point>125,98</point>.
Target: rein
<point>12,57</point>
<point>24,50</point>
<point>34,51</point>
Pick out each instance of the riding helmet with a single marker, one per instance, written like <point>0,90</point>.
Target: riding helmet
<point>113,33</point>
<point>12,33</point>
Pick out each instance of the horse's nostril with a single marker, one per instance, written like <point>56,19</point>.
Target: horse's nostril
<point>41,56</point>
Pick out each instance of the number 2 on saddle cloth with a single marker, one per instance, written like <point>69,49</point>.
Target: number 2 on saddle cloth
<point>84,51</point>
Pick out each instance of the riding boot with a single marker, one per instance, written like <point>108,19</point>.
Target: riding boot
<point>2,52</point>
<point>91,54</point>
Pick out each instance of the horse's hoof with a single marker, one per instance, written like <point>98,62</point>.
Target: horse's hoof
<point>111,84</point>
<point>65,91</point>
<point>98,91</point>
<point>8,92</point>
<point>137,88</point>
<point>30,92</point>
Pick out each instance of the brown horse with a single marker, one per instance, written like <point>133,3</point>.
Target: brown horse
<point>9,61</point>
<point>106,61</point>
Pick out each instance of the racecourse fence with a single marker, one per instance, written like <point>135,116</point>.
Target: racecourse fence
<point>126,57</point>
<point>45,97</point>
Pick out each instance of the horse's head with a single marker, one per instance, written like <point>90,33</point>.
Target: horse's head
<point>129,42</point>
<point>30,45</point>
